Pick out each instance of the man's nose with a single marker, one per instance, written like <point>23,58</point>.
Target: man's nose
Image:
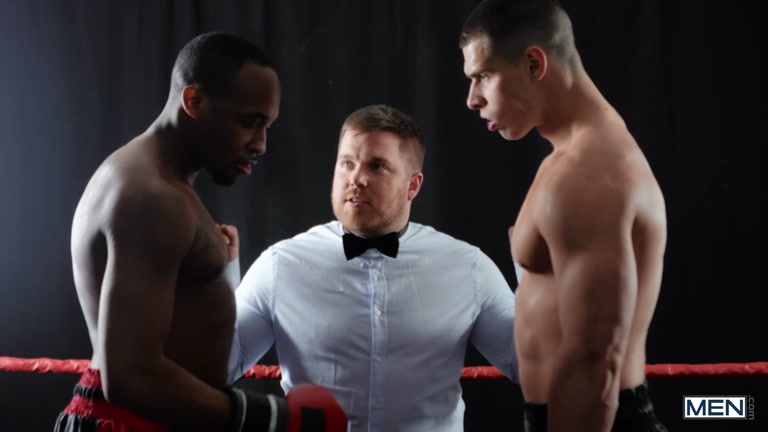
<point>474,99</point>
<point>358,177</point>
<point>258,144</point>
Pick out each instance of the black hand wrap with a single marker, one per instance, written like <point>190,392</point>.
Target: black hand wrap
<point>255,412</point>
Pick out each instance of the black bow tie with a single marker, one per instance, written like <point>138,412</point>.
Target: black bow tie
<point>355,246</point>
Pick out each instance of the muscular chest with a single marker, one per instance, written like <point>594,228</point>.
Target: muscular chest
<point>529,247</point>
<point>207,259</point>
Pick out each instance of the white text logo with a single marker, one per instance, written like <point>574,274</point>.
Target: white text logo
<point>719,407</point>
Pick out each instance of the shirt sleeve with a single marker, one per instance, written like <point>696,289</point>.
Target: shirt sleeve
<point>518,272</point>
<point>232,273</point>
<point>253,330</point>
<point>494,330</point>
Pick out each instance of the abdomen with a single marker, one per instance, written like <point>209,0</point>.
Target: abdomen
<point>201,333</point>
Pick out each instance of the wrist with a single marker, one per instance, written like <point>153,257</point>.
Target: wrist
<point>237,411</point>
<point>254,412</point>
<point>279,419</point>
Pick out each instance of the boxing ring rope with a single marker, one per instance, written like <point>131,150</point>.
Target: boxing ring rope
<point>49,365</point>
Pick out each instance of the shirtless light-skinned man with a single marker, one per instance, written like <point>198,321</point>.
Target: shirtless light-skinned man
<point>591,232</point>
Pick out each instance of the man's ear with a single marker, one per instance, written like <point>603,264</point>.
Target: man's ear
<point>191,101</point>
<point>414,185</point>
<point>536,61</point>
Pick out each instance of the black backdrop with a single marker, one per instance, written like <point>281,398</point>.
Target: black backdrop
<point>79,78</point>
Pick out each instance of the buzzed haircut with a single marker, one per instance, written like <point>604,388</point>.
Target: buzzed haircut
<point>212,60</point>
<point>384,118</point>
<point>511,26</point>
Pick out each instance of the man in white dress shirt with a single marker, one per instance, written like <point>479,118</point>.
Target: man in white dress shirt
<point>375,308</point>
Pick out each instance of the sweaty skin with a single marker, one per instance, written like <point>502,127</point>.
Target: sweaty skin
<point>590,234</point>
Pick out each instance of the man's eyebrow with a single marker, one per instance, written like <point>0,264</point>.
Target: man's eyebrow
<point>377,159</point>
<point>256,114</point>
<point>477,73</point>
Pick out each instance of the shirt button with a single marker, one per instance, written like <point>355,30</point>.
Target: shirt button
<point>378,312</point>
<point>378,359</point>
<point>376,274</point>
<point>375,406</point>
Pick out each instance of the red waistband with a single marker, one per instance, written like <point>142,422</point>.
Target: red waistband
<point>91,378</point>
<point>110,417</point>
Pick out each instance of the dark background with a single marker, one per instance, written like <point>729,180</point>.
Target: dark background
<point>80,78</point>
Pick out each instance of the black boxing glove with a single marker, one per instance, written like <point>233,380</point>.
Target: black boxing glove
<point>306,408</point>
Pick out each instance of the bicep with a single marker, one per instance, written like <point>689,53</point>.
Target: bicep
<point>146,245</point>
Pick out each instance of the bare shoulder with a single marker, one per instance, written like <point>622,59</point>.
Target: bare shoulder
<point>623,158</point>
<point>610,157</point>
<point>602,183</point>
<point>140,197</point>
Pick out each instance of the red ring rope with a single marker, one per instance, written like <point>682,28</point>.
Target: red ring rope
<point>48,365</point>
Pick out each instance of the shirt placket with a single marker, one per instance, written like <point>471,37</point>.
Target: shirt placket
<point>379,342</point>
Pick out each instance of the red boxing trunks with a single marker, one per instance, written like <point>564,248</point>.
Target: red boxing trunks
<point>90,412</point>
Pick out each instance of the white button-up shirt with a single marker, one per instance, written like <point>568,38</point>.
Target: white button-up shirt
<point>387,336</point>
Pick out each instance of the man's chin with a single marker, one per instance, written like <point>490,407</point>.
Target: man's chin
<point>507,135</point>
<point>513,135</point>
<point>223,180</point>
<point>354,221</point>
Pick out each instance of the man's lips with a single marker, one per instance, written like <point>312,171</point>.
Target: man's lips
<point>356,200</point>
<point>246,166</point>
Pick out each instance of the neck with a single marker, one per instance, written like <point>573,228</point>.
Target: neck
<point>572,102</point>
<point>377,233</point>
<point>174,143</point>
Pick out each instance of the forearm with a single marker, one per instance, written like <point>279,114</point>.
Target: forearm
<point>252,338</point>
<point>253,335</point>
<point>232,273</point>
<point>493,333</point>
<point>164,392</point>
<point>583,395</point>
<point>235,367</point>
